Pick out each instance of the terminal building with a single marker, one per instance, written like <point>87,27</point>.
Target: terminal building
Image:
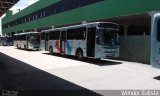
<point>134,17</point>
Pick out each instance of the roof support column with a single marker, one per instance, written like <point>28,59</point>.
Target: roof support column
<point>126,29</point>
<point>35,29</point>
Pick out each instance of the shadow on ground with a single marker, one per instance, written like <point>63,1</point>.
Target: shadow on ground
<point>98,62</point>
<point>28,49</point>
<point>30,81</point>
<point>157,78</point>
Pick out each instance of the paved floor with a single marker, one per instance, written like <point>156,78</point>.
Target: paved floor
<point>42,71</point>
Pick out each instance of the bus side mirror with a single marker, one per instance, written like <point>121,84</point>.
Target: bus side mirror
<point>97,39</point>
<point>97,36</point>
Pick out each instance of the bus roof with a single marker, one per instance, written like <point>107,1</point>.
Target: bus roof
<point>92,23</point>
<point>26,33</point>
<point>4,36</point>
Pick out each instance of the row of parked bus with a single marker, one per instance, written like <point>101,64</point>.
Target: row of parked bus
<point>92,40</point>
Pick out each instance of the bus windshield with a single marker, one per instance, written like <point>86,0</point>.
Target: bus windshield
<point>107,37</point>
<point>35,39</point>
<point>9,39</point>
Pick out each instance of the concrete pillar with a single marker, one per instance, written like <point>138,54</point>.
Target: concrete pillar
<point>126,30</point>
<point>35,29</point>
<point>52,27</point>
<point>8,34</point>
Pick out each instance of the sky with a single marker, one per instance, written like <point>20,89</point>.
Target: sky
<point>20,5</point>
<point>23,4</point>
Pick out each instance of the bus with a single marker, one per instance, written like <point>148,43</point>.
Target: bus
<point>28,40</point>
<point>155,41</point>
<point>92,40</point>
<point>6,41</point>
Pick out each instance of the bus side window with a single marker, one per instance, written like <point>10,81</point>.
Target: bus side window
<point>158,30</point>
<point>51,35</point>
<point>15,37</point>
<point>20,37</point>
<point>56,35</point>
<point>71,34</point>
<point>81,33</point>
<point>27,37</point>
<point>63,35</point>
<point>23,37</point>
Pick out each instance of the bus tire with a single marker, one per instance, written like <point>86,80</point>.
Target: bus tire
<point>17,46</point>
<point>25,48</point>
<point>51,50</point>
<point>79,54</point>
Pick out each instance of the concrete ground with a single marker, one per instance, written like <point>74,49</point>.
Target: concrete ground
<point>90,75</point>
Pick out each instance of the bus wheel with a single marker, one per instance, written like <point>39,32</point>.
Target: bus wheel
<point>17,46</point>
<point>51,50</point>
<point>25,48</point>
<point>79,54</point>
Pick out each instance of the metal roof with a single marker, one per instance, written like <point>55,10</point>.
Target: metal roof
<point>5,5</point>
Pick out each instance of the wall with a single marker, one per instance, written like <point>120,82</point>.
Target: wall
<point>34,7</point>
<point>101,10</point>
<point>135,48</point>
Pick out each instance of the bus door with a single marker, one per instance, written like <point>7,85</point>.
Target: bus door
<point>91,42</point>
<point>46,41</point>
<point>27,41</point>
<point>62,42</point>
